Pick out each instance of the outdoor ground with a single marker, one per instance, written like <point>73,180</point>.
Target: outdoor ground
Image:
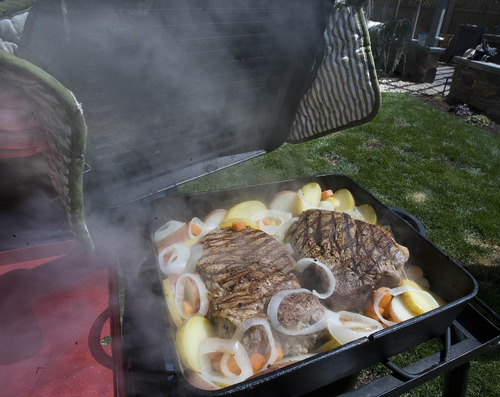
<point>438,102</point>
<point>434,94</point>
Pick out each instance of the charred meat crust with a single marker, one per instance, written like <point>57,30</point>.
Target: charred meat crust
<point>249,261</point>
<point>298,311</point>
<point>242,271</point>
<point>362,256</point>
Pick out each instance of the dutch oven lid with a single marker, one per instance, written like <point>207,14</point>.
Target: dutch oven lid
<point>175,89</point>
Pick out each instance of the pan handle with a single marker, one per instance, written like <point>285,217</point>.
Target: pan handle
<point>445,357</point>
<point>411,219</point>
<point>94,340</point>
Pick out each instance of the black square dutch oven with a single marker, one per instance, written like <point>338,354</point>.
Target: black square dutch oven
<point>447,279</point>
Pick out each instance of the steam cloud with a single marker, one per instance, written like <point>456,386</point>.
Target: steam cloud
<point>165,85</point>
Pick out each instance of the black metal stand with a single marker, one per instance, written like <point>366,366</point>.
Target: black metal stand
<point>469,337</point>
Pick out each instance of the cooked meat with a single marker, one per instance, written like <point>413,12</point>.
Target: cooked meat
<point>243,270</point>
<point>362,256</point>
<point>249,260</point>
<point>298,311</point>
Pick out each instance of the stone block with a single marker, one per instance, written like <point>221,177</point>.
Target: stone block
<point>477,84</point>
<point>421,63</point>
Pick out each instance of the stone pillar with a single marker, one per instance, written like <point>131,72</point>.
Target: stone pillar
<point>421,62</point>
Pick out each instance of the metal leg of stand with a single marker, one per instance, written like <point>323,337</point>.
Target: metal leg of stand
<point>456,380</point>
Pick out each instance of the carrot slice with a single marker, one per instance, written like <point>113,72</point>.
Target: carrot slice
<point>187,307</point>
<point>326,193</point>
<point>257,360</point>
<point>369,311</point>
<point>232,365</point>
<point>386,297</point>
<point>196,229</point>
<point>238,226</point>
<point>385,300</point>
<point>279,354</point>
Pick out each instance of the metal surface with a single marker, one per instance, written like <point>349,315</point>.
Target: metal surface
<point>169,84</point>
<point>471,335</point>
<point>150,358</point>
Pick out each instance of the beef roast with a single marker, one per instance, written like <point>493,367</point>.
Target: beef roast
<point>361,256</point>
<point>298,311</point>
<point>243,270</point>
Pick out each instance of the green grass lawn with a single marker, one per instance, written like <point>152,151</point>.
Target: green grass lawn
<point>432,164</point>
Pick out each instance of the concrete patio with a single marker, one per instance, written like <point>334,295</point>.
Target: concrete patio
<point>440,86</point>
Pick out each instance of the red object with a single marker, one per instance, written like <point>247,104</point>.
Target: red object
<point>54,311</point>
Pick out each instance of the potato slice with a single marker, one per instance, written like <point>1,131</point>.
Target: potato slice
<point>398,310</point>
<point>309,196</point>
<point>168,291</point>
<point>284,201</point>
<point>327,346</point>
<point>215,217</point>
<point>419,303</point>
<point>245,209</point>
<point>346,200</point>
<point>368,213</point>
<point>334,201</point>
<point>188,339</point>
<point>415,273</point>
<point>301,204</point>
<point>312,192</point>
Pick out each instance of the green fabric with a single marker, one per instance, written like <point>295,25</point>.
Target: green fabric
<point>66,134</point>
<point>12,7</point>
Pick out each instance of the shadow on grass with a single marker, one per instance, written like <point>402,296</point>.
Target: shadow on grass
<point>488,278</point>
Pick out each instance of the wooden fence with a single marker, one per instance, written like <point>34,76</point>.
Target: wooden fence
<point>484,13</point>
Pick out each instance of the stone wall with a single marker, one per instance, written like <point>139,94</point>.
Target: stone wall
<point>477,84</point>
<point>421,63</point>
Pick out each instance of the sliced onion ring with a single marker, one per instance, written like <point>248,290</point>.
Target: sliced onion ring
<point>179,294</point>
<point>345,332</point>
<point>376,304</point>
<point>326,205</point>
<point>272,313</point>
<point>302,197</point>
<point>289,248</point>
<point>282,229</point>
<point>202,225</point>
<point>304,263</point>
<point>176,263</point>
<point>195,253</point>
<point>281,216</point>
<point>355,214</point>
<point>394,292</point>
<point>167,229</point>
<point>230,348</point>
<point>246,324</point>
